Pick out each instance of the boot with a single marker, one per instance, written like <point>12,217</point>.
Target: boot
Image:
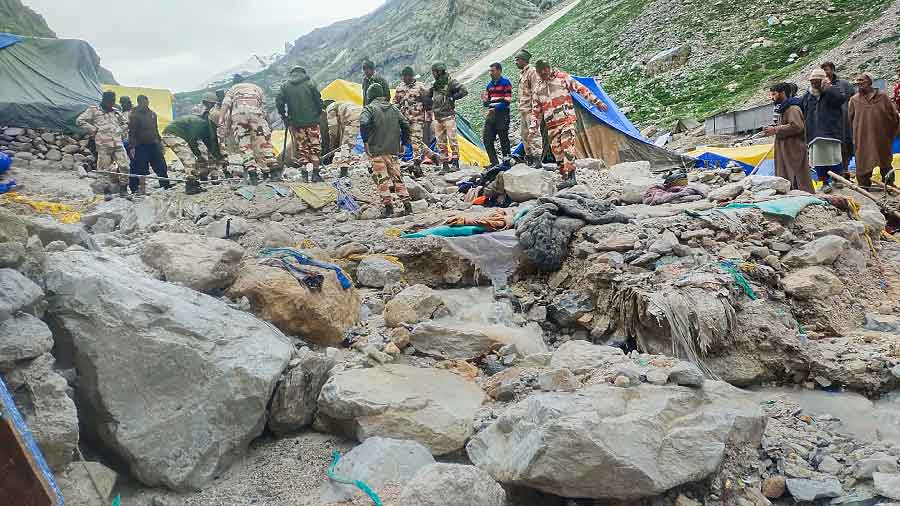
<point>568,182</point>
<point>445,168</point>
<point>192,187</point>
<point>407,208</point>
<point>123,191</point>
<point>275,176</point>
<point>316,177</point>
<point>417,168</point>
<point>254,177</point>
<point>455,163</point>
<point>215,180</point>
<point>142,187</point>
<point>388,211</point>
<point>345,172</point>
<point>304,175</point>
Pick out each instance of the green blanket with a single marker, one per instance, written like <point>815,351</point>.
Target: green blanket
<point>789,207</point>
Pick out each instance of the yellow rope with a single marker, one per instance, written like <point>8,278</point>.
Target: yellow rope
<point>853,208</point>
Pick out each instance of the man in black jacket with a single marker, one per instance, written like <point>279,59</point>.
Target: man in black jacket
<point>847,90</point>
<point>824,126</point>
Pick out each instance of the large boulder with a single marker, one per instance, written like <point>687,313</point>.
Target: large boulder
<point>23,337</point>
<point>452,485</point>
<point>49,230</point>
<point>295,401</point>
<point>812,282</point>
<point>413,305</point>
<point>148,212</point>
<point>467,343</point>
<point>522,183</point>
<point>321,316</point>
<point>617,443</point>
<point>16,293</point>
<point>114,210</point>
<point>12,227</point>
<point>581,356</point>
<point>432,406</point>
<point>822,251</point>
<point>201,263</point>
<point>376,462</point>
<point>377,272</point>
<point>175,382</point>
<point>887,485</point>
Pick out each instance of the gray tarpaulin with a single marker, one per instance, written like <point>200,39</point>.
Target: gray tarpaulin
<point>46,83</point>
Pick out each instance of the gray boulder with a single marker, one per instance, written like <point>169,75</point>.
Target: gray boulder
<point>12,227</point>
<point>727,192</point>
<point>887,485</point>
<point>16,293</point>
<point>581,356</point>
<point>11,254</point>
<point>822,251</point>
<point>376,462</point>
<point>444,342</point>
<point>23,337</point>
<point>874,220</point>
<point>207,371</point>
<point>376,272</point>
<point>883,323</point>
<point>49,230</point>
<point>522,183</point>
<point>686,374</point>
<point>294,403</point>
<point>812,282</point>
<point>115,210</point>
<point>432,406</point>
<point>413,305</point>
<point>807,490</point>
<point>452,485</point>
<point>76,483</point>
<point>228,227</point>
<point>676,435</point>
<point>201,263</point>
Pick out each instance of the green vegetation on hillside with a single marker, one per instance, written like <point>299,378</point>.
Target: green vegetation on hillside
<point>19,19</point>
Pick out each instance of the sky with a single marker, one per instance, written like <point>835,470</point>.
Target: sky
<point>178,44</point>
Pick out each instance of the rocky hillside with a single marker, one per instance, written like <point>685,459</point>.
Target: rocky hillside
<point>400,33</point>
<point>730,49</point>
<point>20,19</point>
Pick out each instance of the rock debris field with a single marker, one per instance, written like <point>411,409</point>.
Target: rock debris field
<point>736,345</point>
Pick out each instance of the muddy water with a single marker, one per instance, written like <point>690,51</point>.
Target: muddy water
<point>863,418</point>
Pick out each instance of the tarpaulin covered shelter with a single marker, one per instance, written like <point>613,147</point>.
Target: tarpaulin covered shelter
<point>46,83</point>
<point>162,102</point>
<point>747,157</point>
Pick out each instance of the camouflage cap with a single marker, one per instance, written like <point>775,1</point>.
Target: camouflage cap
<point>209,97</point>
<point>407,71</point>
<point>368,64</point>
<point>541,64</point>
<point>439,67</point>
<point>523,54</point>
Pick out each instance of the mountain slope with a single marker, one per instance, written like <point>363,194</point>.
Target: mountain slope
<point>19,19</point>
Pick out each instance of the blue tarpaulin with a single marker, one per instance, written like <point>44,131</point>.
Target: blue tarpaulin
<point>8,39</point>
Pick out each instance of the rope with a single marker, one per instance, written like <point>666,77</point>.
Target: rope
<point>739,279</point>
<point>344,198</point>
<point>332,475</point>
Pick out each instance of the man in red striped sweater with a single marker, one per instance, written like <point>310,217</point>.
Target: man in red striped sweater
<point>497,97</point>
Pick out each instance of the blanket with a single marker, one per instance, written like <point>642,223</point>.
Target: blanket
<point>657,194</point>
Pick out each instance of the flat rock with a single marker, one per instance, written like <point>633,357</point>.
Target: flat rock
<point>296,395</point>
<point>581,356</point>
<point>12,227</point>
<point>321,316</point>
<point>822,251</point>
<point>11,254</point>
<point>522,183</point>
<point>686,374</point>
<point>23,337</point>
<point>432,406</point>
<point>726,192</point>
<point>412,305</point>
<point>758,184</point>
<point>16,293</point>
<point>883,323</point>
<point>452,485</point>
<point>49,230</point>
<point>201,263</point>
<point>205,369</point>
<point>812,282</point>
<point>377,272</point>
<point>807,490</point>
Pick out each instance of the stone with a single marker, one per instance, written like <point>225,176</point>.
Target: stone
<point>17,293</point>
<point>228,227</point>
<point>114,209</point>
<point>416,191</point>
<point>448,343</point>
<point>569,308</point>
<point>432,406</point>
<point>13,132</point>
<point>558,380</point>
<point>414,304</point>
<point>812,283</point>
<point>350,248</point>
<point>683,500</point>
<point>883,323</point>
<point>54,155</point>
<point>278,236</point>
<point>206,369</point>
<point>149,212</point>
<point>537,360</point>
<point>683,438</point>
<point>400,337</point>
<point>727,192</point>
<point>887,485</point>
<point>56,246</point>
<point>686,374</point>
<point>77,481</point>
<point>537,314</point>
<point>452,485</point>
<point>12,227</point>
<point>622,382</point>
<point>11,254</point>
<point>865,468</point>
<point>617,242</point>
<point>759,184</point>
<point>71,149</point>
<point>657,377</point>
<point>874,220</point>
<point>822,251</point>
<point>23,337</point>
<point>773,487</point>
<point>830,465</point>
<point>377,272</point>
<point>668,59</point>
<point>502,386</point>
<point>104,226</point>
<point>320,316</point>
<point>49,230</point>
<point>376,462</point>
<point>581,356</point>
<point>296,395</point>
<point>807,490</point>
<point>522,183</point>
<point>201,263</point>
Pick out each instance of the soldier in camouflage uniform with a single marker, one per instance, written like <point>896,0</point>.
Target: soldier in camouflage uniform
<point>530,130</point>
<point>245,120</point>
<point>106,123</point>
<point>343,130</point>
<point>300,105</point>
<point>215,116</point>
<point>553,103</point>
<point>194,141</point>
<point>410,97</point>
<point>384,131</point>
<point>442,99</point>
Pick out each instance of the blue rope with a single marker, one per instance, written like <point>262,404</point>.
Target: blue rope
<point>739,278</point>
<point>332,475</point>
<point>344,198</point>
<point>302,259</point>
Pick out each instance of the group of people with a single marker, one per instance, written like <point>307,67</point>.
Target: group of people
<point>827,126</point>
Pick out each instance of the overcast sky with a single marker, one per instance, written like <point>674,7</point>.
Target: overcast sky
<point>177,44</point>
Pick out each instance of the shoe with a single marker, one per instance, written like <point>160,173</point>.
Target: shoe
<point>123,191</point>
<point>345,172</point>
<point>445,168</point>
<point>215,180</point>
<point>388,211</point>
<point>826,188</point>
<point>568,182</point>
<point>455,163</point>
<point>407,208</point>
<point>275,176</point>
<point>317,177</point>
<point>304,176</point>
<point>192,187</point>
<point>254,177</point>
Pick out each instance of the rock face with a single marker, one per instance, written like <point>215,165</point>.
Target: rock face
<point>822,251</point>
<point>294,403</point>
<point>675,436</point>
<point>524,183</point>
<point>201,263</point>
<point>23,337</point>
<point>812,282</point>
<point>452,485</point>
<point>413,305</point>
<point>321,316</point>
<point>376,462</point>
<point>204,371</point>
<point>433,407</point>
<point>375,272</point>
<point>16,293</point>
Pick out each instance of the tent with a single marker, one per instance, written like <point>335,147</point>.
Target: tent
<point>162,102</point>
<point>471,149</point>
<point>46,83</point>
<point>747,157</point>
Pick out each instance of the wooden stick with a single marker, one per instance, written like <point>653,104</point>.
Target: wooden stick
<point>859,190</point>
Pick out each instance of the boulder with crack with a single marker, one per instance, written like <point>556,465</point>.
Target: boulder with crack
<point>431,406</point>
<point>175,382</point>
<point>294,403</point>
<point>201,263</point>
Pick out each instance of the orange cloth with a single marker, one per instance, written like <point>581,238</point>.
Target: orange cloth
<point>498,219</point>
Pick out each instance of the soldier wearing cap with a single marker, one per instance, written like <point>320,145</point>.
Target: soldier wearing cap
<point>300,105</point>
<point>409,97</point>
<point>530,129</point>
<point>370,78</point>
<point>442,99</point>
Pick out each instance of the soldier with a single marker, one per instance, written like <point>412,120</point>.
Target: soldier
<point>530,131</point>
<point>215,119</point>
<point>343,130</point>
<point>107,125</point>
<point>193,140</point>
<point>442,98</point>
<point>370,79</point>
<point>410,99</point>
<point>245,122</point>
<point>384,131</point>
<point>553,103</point>
<point>300,106</point>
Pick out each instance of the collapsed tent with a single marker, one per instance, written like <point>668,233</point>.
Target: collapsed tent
<point>747,157</point>
<point>46,83</point>
<point>162,102</point>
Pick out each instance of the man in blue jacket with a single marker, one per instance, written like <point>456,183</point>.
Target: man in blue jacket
<point>821,106</point>
<point>497,97</point>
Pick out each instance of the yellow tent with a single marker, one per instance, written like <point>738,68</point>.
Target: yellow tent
<point>747,155</point>
<point>161,101</point>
